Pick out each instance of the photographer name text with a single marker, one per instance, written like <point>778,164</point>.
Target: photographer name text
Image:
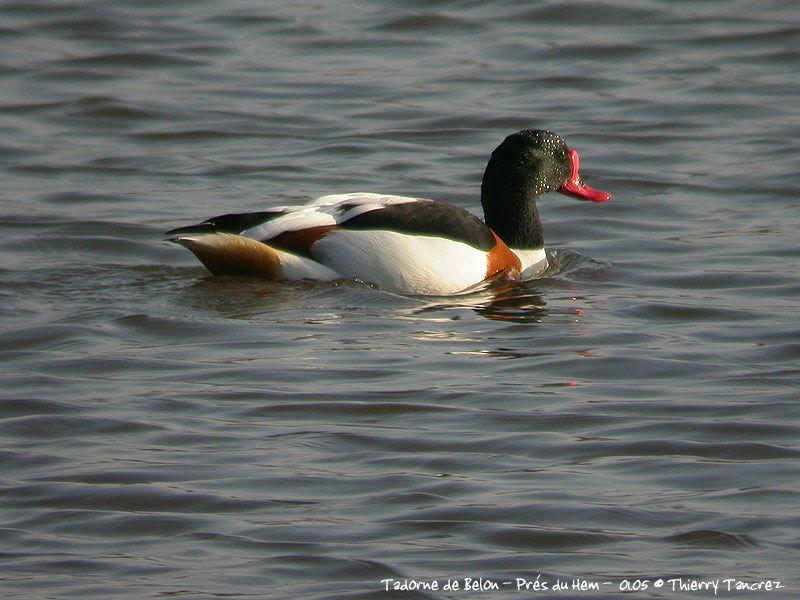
<point>541,584</point>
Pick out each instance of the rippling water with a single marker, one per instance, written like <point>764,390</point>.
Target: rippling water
<point>630,421</point>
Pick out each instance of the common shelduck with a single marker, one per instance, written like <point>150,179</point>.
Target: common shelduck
<point>406,245</point>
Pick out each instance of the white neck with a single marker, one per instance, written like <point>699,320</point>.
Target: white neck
<point>533,262</point>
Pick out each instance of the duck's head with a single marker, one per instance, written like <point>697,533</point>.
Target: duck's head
<point>526,165</point>
<point>532,162</point>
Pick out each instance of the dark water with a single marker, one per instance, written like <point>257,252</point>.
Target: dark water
<point>627,421</point>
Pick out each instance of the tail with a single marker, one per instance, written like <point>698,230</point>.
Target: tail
<point>230,254</point>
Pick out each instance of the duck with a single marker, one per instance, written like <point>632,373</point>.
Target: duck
<point>406,245</point>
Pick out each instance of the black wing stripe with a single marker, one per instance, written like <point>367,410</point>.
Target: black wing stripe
<point>427,218</point>
<point>230,223</point>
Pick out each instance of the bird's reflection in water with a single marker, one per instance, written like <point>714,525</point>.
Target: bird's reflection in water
<point>501,300</point>
<point>513,301</point>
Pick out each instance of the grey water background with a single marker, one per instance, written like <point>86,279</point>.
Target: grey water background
<point>633,416</point>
